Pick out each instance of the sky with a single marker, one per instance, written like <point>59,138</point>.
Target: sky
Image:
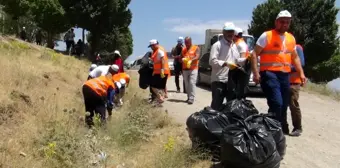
<point>167,20</point>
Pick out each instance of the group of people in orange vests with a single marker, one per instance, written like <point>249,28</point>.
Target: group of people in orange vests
<point>104,90</point>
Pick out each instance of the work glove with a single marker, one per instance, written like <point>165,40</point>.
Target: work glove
<point>162,73</point>
<point>188,64</point>
<point>231,65</point>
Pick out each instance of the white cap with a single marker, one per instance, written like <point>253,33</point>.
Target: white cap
<point>114,67</point>
<point>284,13</point>
<point>117,52</point>
<point>180,40</point>
<point>24,27</point>
<point>118,85</point>
<point>238,30</point>
<point>93,66</point>
<point>152,42</point>
<point>229,26</point>
<point>122,81</point>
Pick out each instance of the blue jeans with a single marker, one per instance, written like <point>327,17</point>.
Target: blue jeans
<point>275,86</point>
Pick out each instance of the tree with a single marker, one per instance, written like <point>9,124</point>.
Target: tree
<point>314,27</point>
<point>263,18</point>
<point>103,18</point>
<point>50,16</point>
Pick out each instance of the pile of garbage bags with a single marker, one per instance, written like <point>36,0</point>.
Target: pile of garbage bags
<point>238,136</point>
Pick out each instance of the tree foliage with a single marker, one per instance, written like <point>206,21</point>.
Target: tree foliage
<point>314,27</point>
<point>107,20</point>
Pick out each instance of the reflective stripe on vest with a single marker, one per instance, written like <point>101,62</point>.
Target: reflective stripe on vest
<point>157,63</point>
<point>294,77</point>
<point>190,54</point>
<point>241,40</point>
<point>276,56</point>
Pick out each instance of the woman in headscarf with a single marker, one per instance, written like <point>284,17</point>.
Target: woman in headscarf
<point>118,61</point>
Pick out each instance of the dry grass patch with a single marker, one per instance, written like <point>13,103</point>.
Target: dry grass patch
<point>42,119</point>
<point>321,89</point>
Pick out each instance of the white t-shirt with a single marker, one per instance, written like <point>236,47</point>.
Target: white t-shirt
<point>242,47</point>
<point>262,41</point>
<point>160,54</point>
<point>101,70</point>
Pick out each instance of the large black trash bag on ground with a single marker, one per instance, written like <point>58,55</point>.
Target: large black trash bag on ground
<point>248,145</point>
<point>205,129</point>
<point>274,127</point>
<point>240,107</point>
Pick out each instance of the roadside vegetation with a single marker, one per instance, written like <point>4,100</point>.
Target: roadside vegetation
<point>42,124</point>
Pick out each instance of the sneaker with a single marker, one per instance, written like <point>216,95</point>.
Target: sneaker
<point>296,132</point>
<point>190,101</point>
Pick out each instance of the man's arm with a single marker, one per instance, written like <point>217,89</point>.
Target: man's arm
<point>256,52</point>
<point>161,55</point>
<point>197,57</point>
<point>214,53</point>
<point>297,62</point>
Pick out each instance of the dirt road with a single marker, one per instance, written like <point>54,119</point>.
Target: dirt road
<point>318,147</point>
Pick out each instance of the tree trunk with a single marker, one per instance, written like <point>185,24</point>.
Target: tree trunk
<point>50,42</point>
<point>83,36</point>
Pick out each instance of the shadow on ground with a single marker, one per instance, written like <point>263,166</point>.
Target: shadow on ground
<point>176,101</point>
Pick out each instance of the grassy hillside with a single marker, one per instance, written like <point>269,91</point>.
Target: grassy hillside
<point>42,124</point>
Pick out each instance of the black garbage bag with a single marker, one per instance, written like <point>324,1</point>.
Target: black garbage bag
<point>205,129</point>
<point>145,75</point>
<point>240,107</point>
<point>248,145</point>
<point>274,127</point>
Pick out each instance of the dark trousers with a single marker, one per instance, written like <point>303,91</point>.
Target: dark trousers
<point>237,84</point>
<point>219,93</point>
<point>93,104</point>
<point>153,94</point>
<point>178,72</point>
<point>294,106</point>
<point>276,87</point>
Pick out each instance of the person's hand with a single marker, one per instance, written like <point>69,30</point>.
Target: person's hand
<point>256,78</point>
<point>303,79</point>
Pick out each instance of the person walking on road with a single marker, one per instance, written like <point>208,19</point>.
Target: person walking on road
<point>103,70</point>
<point>295,84</point>
<point>97,92</point>
<point>176,54</point>
<point>277,51</point>
<point>191,55</point>
<point>160,70</point>
<point>222,51</point>
<point>238,79</point>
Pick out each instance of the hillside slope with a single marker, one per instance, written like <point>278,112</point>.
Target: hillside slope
<point>42,125</point>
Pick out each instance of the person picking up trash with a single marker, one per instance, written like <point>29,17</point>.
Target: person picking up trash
<point>160,70</point>
<point>191,56</point>
<point>222,56</point>
<point>93,66</point>
<point>97,92</point>
<point>124,80</point>
<point>103,70</point>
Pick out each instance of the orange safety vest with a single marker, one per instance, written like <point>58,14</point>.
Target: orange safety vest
<point>157,63</point>
<point>100,85</point>
<point>238,41</point>
<point>121,75</point>
<point>275,56</point>
<point>190,54</point>
<point>294,77</point>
